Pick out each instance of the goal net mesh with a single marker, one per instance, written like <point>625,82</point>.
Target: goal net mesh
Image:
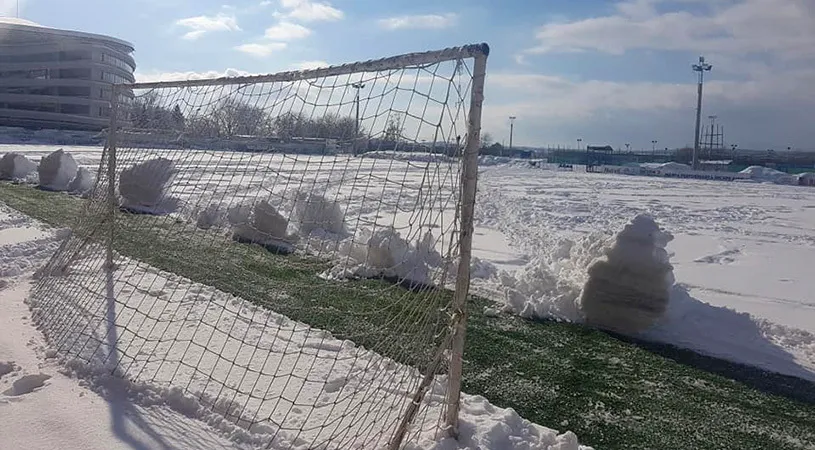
<point>284,250</point>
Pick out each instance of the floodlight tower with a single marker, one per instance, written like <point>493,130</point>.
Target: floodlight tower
<point>511,129</point>
<point>702,67</point>
<point>357,86</point>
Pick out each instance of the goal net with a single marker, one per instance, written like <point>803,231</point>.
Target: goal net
<point>284,256</point>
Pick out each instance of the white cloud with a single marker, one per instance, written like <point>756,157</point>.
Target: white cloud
<point>156,75</point>
<point>10,8</point>
<point>309,11</point>
<point>426,21</point>
<point>782,28</point>
<point>286,31</point>
<point>261,50</point>
<point>549,106</point>
<point>201,25</point>
<point>308,65</point>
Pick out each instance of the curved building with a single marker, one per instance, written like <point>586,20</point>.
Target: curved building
<point>52,78</point>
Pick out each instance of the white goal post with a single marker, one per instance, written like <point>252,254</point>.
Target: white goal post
<point>290,252</point>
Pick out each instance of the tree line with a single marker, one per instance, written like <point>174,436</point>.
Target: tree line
<point>232,117</point>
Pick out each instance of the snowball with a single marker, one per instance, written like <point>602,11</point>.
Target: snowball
<point>144,186</point>
<point>83,182</point>
<point>314,212</point>
<point>628,290</point>
<point>57,170</point>
<point>14,166</point>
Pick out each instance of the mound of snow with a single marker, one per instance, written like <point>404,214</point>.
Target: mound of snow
<point>266,227</point>
<point>385,253</point>
<point>57,170</point>
<point>83,182</point>
<point>144,186</point>
<point>769,175</point>
<point>14,166</point>
<point>549,286</point>
<point>316,213</point>
<point>629,289</point>
<point>674,167</point>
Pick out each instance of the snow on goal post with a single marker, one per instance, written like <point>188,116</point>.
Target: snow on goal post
<point>285,256</point>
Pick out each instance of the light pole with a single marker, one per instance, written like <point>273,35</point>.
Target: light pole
<point>654,147</point>
<point>357,86</point>
<point>511,129</point>
<point>702,67</point>
<point>627,147</point>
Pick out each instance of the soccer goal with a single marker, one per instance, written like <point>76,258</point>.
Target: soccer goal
<point>285,256</point>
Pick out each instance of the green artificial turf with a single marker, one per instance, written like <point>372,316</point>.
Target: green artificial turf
<point>613,392</point>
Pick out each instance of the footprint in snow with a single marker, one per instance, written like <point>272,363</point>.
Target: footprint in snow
<point>26,384</point>
<point>7,367</point>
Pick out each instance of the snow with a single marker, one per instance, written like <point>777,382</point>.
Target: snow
<point>144,186</point>
<point>53,397</point>
<point>628,290</point>
<point>741,252</point>
<point>769,175</point>
<point>14,166</point>
<point>742,255</point>
<point>57,170</point>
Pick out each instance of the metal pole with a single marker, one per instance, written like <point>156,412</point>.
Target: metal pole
<point>701,68</point>
<point>356,86</point>
<point>112,203</point>
<point>511,130</point>
<point>469,180</point>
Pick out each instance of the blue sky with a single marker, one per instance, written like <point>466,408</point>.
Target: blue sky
<point>604,71</point>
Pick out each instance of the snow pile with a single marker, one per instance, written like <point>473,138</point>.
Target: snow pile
<point>83,182</point>
<point>549,286</point>
<point>769,175</point>
<point>385,253</point>
<point>628,290</point>
<point>14,166</point>
<point>57,170</point>
<point>313,212</point>
<point>674,167</point>
<point>144,187</point>
<point>264,226</point>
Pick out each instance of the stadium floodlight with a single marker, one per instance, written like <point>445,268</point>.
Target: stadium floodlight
<point>511,129</point>
<point>701,68</point>
<point>357,86</point>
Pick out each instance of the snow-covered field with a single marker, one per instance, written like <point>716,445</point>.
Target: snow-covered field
<point>742,252</point>
<point>45,403</point>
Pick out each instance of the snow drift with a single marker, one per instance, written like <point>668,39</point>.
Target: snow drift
<point>57,170</point>
<point>14,166</point>
<point>144,187</point>
<point>629,289</point>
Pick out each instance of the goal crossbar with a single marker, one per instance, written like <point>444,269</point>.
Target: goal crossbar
<point>391,63</point>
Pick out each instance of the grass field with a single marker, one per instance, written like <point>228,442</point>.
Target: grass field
<point>614,392</point>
